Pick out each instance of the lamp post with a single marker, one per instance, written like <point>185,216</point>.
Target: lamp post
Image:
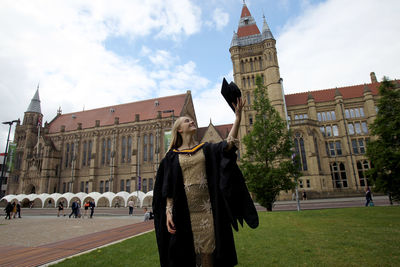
<point>10,123</point>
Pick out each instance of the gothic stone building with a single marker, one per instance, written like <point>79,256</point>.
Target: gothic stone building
<point>330,126</point>
<point>104,149</point>
<point>107,149</point>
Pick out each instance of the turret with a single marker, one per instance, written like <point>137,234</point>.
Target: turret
<point>33,115</point>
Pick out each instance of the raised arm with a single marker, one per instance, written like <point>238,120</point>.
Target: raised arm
<point>235,128</point>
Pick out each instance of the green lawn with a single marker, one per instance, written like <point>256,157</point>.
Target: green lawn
<point>331,237</point>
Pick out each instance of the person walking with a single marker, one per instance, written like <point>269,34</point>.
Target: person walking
<point>92,206</point>
<point>199,195</point>
<point>14,211</point>
<point>86,208</point>
<point>60,209</point>
<point>8,209</point>
<point>19,209</point>
<point>146,215</point>
<point>368,196</point>
<point>74,207</point>
<point>131,204</point>
<point>304,195</point>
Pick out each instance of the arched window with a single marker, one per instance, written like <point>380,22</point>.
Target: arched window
<point>128,186</point>
<point>108,150</point>
<point>151,148</point>
<point>72,154</point>
<point>121,185</point>
<point>261,63</point>
<point>248,98</point>
<point>244,82</point>
<point>150,184</point>
<point>300,150</point>
<point>144,185</point>
<point>248,82</point>
<point>84,153</point>
<point>103,152</point>
<point>362,167</point>
<point>66,155</point>
<point>129,148</point>
<point>123,149</point>
<point>317,152</point>
<point>107,186</point>
<point>269,56</point>
<point>101,187</point>
<point>251,65</point>
<point>145,147</point>
<point>242,66</point>
<point>89,156</point>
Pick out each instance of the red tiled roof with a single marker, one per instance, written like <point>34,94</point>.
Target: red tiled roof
<point>126,113</point>
<point>224,129</point>
<point>329,94</point>
<point>248,30</point>
<point>200,133</point>
<point>245,12</point>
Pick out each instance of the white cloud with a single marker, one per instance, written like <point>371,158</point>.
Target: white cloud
<point>210,104</point>
<point>338,43</point>
<point>220,18</point>
<point>182,78</point>
<point>162,58</point>
<point>62,44</point>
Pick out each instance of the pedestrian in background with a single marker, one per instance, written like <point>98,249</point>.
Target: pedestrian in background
<point>8,210</point>
<point>19,210</point>
<point>60,209</point>
<point>130,205</point>
<point>368,197</point>
<point>86,208</point>
<point>92,206</point>
<point>14,211</point>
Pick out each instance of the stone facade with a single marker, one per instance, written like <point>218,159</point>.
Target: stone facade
<point>100,150</point>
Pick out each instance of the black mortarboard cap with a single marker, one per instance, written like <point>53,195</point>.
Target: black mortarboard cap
<point>231,93</point>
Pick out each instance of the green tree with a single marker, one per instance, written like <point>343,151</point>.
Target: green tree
<point>267,164</point>
<point>384,152</point>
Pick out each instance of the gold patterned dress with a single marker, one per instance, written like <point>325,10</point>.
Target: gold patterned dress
<point>194,178</point>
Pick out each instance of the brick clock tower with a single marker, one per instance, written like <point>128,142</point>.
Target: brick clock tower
<point>254,53</point>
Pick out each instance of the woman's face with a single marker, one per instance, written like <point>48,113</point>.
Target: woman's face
<point>187,126</point>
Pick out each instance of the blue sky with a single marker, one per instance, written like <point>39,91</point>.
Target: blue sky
<point>89,54</point>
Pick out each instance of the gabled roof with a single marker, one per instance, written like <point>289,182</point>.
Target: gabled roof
<point>223,130</point>
<point>147,109</point>
<point>329,94</point>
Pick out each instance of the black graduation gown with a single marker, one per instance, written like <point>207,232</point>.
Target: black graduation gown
<point>230,201</point>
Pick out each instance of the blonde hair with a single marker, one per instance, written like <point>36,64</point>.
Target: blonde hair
<point>176,137</point>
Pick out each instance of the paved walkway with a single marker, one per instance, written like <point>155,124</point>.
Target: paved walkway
<point>37,240</point>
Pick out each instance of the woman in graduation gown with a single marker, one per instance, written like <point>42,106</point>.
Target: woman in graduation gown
<point>199,195</point>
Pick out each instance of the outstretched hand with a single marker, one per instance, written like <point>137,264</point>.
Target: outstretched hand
<point>239,106</point>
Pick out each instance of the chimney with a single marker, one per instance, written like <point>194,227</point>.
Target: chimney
<point>116,120</point>
<point>79,126</point>
<point>137,117</point>
<point>373,77</point>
